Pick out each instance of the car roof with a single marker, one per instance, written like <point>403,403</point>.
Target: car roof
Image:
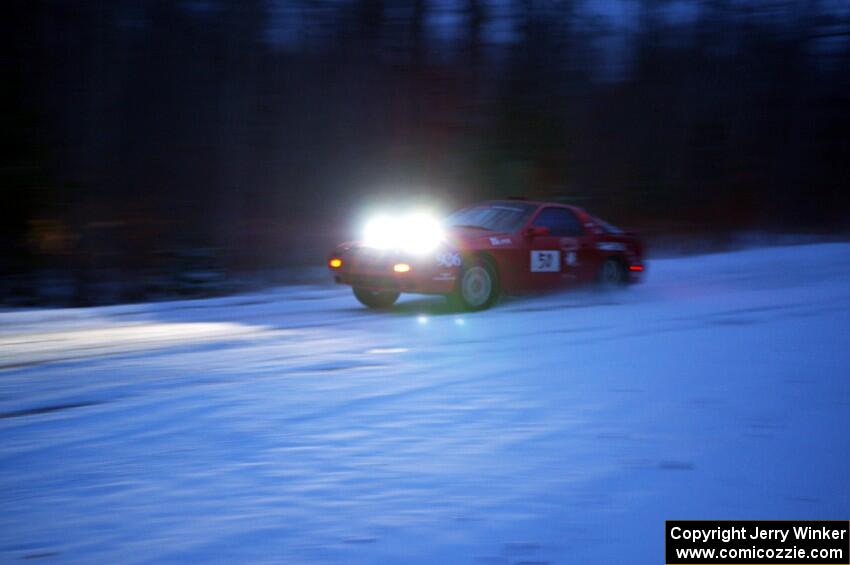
<point>537,203</point>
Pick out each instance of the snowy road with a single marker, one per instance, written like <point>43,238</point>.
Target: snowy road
<point>293,426</point>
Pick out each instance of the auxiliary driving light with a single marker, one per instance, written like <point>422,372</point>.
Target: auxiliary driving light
<point>415,233</point>
<point>401,268</point>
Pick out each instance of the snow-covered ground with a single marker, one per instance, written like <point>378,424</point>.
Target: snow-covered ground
<point>294,426</point>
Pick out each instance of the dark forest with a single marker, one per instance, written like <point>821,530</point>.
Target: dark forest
<point>251,133</point>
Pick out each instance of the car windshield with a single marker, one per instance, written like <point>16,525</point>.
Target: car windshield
<point>492,217</point>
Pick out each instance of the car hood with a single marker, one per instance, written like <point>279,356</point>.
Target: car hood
<point>467,237</point>
<point>460,238</point>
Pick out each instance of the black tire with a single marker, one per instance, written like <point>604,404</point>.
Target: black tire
<point>378,299</point>
<point>612,274</point>
<point>477,286</point>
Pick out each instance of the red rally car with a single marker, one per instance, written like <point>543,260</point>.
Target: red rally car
<point>484,250</point>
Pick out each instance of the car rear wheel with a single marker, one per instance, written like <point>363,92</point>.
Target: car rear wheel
<point>611,274</point>
<point>375,298</point>
<point>478,286</point>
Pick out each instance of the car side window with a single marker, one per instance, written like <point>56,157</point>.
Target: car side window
<point>560,221</point>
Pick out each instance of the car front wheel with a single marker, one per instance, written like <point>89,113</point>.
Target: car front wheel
<point>478,286</point>
<point>377,299</point>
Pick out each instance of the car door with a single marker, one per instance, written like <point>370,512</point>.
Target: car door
<point>557,248</point>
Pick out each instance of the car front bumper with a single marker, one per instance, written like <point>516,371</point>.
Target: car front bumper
<point>373,269</point>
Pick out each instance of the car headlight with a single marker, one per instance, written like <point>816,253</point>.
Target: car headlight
<point>415,233</point>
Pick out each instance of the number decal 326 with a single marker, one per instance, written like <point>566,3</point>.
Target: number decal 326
<point>545,261</point>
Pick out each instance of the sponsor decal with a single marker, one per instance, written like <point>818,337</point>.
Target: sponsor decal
<point>496,241</point>
<point>449,259</point>
<point>610,246</point>
<point>545,261</point>
<point>569,245</point>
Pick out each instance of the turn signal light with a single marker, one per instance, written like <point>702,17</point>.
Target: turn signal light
<point>335,263</point>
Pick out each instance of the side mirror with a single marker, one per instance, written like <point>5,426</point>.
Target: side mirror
<point>535,231</point>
